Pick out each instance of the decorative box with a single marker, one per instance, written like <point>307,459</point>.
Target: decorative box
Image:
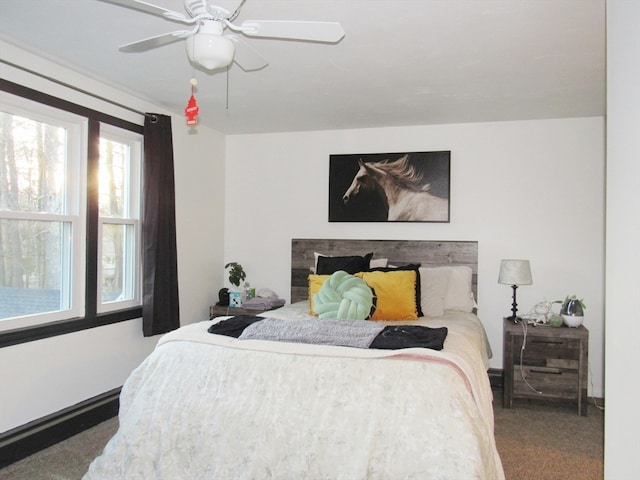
<point>235,299</point>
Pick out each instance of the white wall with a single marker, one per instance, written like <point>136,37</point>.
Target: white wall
<point>199,176</point>
<point>622,420</point>
<point>45,376</point>
<point>42,377</point>
<point>531,189</point>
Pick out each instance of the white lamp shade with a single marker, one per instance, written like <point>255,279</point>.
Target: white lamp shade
<point>515,272</point>
<point>210,50</point>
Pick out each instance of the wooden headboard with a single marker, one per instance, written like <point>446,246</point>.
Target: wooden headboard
<point>399,252</point>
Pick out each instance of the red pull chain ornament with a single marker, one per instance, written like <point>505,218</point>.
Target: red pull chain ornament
<point>191,112</point>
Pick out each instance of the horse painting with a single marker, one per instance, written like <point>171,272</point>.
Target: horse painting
<point>406,194</point>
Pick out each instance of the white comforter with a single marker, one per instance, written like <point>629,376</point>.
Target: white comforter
<point>203,406</point>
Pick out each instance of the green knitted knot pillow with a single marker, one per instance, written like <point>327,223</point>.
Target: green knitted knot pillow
<point>343,296</point>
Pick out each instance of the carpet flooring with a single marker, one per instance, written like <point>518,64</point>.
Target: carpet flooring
<point>540,442</point>
<point>536,442</point>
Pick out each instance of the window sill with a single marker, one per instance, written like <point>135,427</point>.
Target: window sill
<point>63,327</point>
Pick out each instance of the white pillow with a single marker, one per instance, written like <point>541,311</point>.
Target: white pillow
<point>459,294</point>
<point>446,288</point>
<point>433,288</point>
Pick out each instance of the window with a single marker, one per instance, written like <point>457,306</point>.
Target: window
<point>119,230</point>
<point>58,261</point>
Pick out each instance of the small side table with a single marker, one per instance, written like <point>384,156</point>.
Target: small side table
<point>220,311</point>
<point>553,364</point>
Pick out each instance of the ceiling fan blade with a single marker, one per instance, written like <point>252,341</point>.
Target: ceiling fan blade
<point>154,42</point>
<point>330,32</point>
<point>247,58</point>
<point>150,8</point>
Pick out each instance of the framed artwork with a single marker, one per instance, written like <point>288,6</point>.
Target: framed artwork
<point>390,187</point>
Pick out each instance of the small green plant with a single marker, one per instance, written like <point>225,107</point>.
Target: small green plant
<point>572,297</point>
<point>236,273</point>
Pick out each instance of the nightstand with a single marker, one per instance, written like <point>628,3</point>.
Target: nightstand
<point>553,366</point>
<point>220,311</point>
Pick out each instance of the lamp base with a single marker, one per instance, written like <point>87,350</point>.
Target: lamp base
<point>514,307</point>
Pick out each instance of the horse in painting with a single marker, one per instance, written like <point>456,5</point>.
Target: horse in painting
<point>406,194</point>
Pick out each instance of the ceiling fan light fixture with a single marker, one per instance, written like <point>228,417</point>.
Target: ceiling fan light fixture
<point>210,50</point>
<point>205,43</point>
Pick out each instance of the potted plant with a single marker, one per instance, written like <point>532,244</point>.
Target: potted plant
<point>572,310</point>
<point>236,275</point>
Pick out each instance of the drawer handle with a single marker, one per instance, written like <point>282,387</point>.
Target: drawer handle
<point>554,372</point>
<point>551,342</point>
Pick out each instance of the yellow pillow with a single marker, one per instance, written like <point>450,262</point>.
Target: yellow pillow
<point>395,293</point>
<point>315,284</point>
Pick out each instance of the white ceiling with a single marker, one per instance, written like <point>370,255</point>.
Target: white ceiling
<point>401,62</point>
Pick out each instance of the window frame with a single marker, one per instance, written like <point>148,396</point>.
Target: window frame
<point>131,218</point>
<point>92,316</point>
<point>70,218</point>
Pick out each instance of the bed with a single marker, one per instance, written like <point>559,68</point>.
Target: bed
<point>206,406</point>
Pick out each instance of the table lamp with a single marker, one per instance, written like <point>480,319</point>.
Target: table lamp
<point>514,273</point>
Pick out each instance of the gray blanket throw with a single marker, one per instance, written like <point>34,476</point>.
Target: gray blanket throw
<point>345,333</point>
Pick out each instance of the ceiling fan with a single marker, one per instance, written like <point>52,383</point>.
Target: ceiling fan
<point>209,47</point>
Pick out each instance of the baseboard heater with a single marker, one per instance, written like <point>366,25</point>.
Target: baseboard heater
<point>25,440</point>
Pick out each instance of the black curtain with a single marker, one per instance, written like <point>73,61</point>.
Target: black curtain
<point>160,313</point>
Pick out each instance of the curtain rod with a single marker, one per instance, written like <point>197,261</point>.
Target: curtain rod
<point>77,89</point>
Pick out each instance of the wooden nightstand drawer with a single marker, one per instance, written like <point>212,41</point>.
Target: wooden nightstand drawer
<point>541,351</point>
<point>557,383</point>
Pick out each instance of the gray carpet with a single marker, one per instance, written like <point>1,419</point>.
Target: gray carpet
<point>549,442</point>
<point>67,460</point>
<point>535,442</point>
